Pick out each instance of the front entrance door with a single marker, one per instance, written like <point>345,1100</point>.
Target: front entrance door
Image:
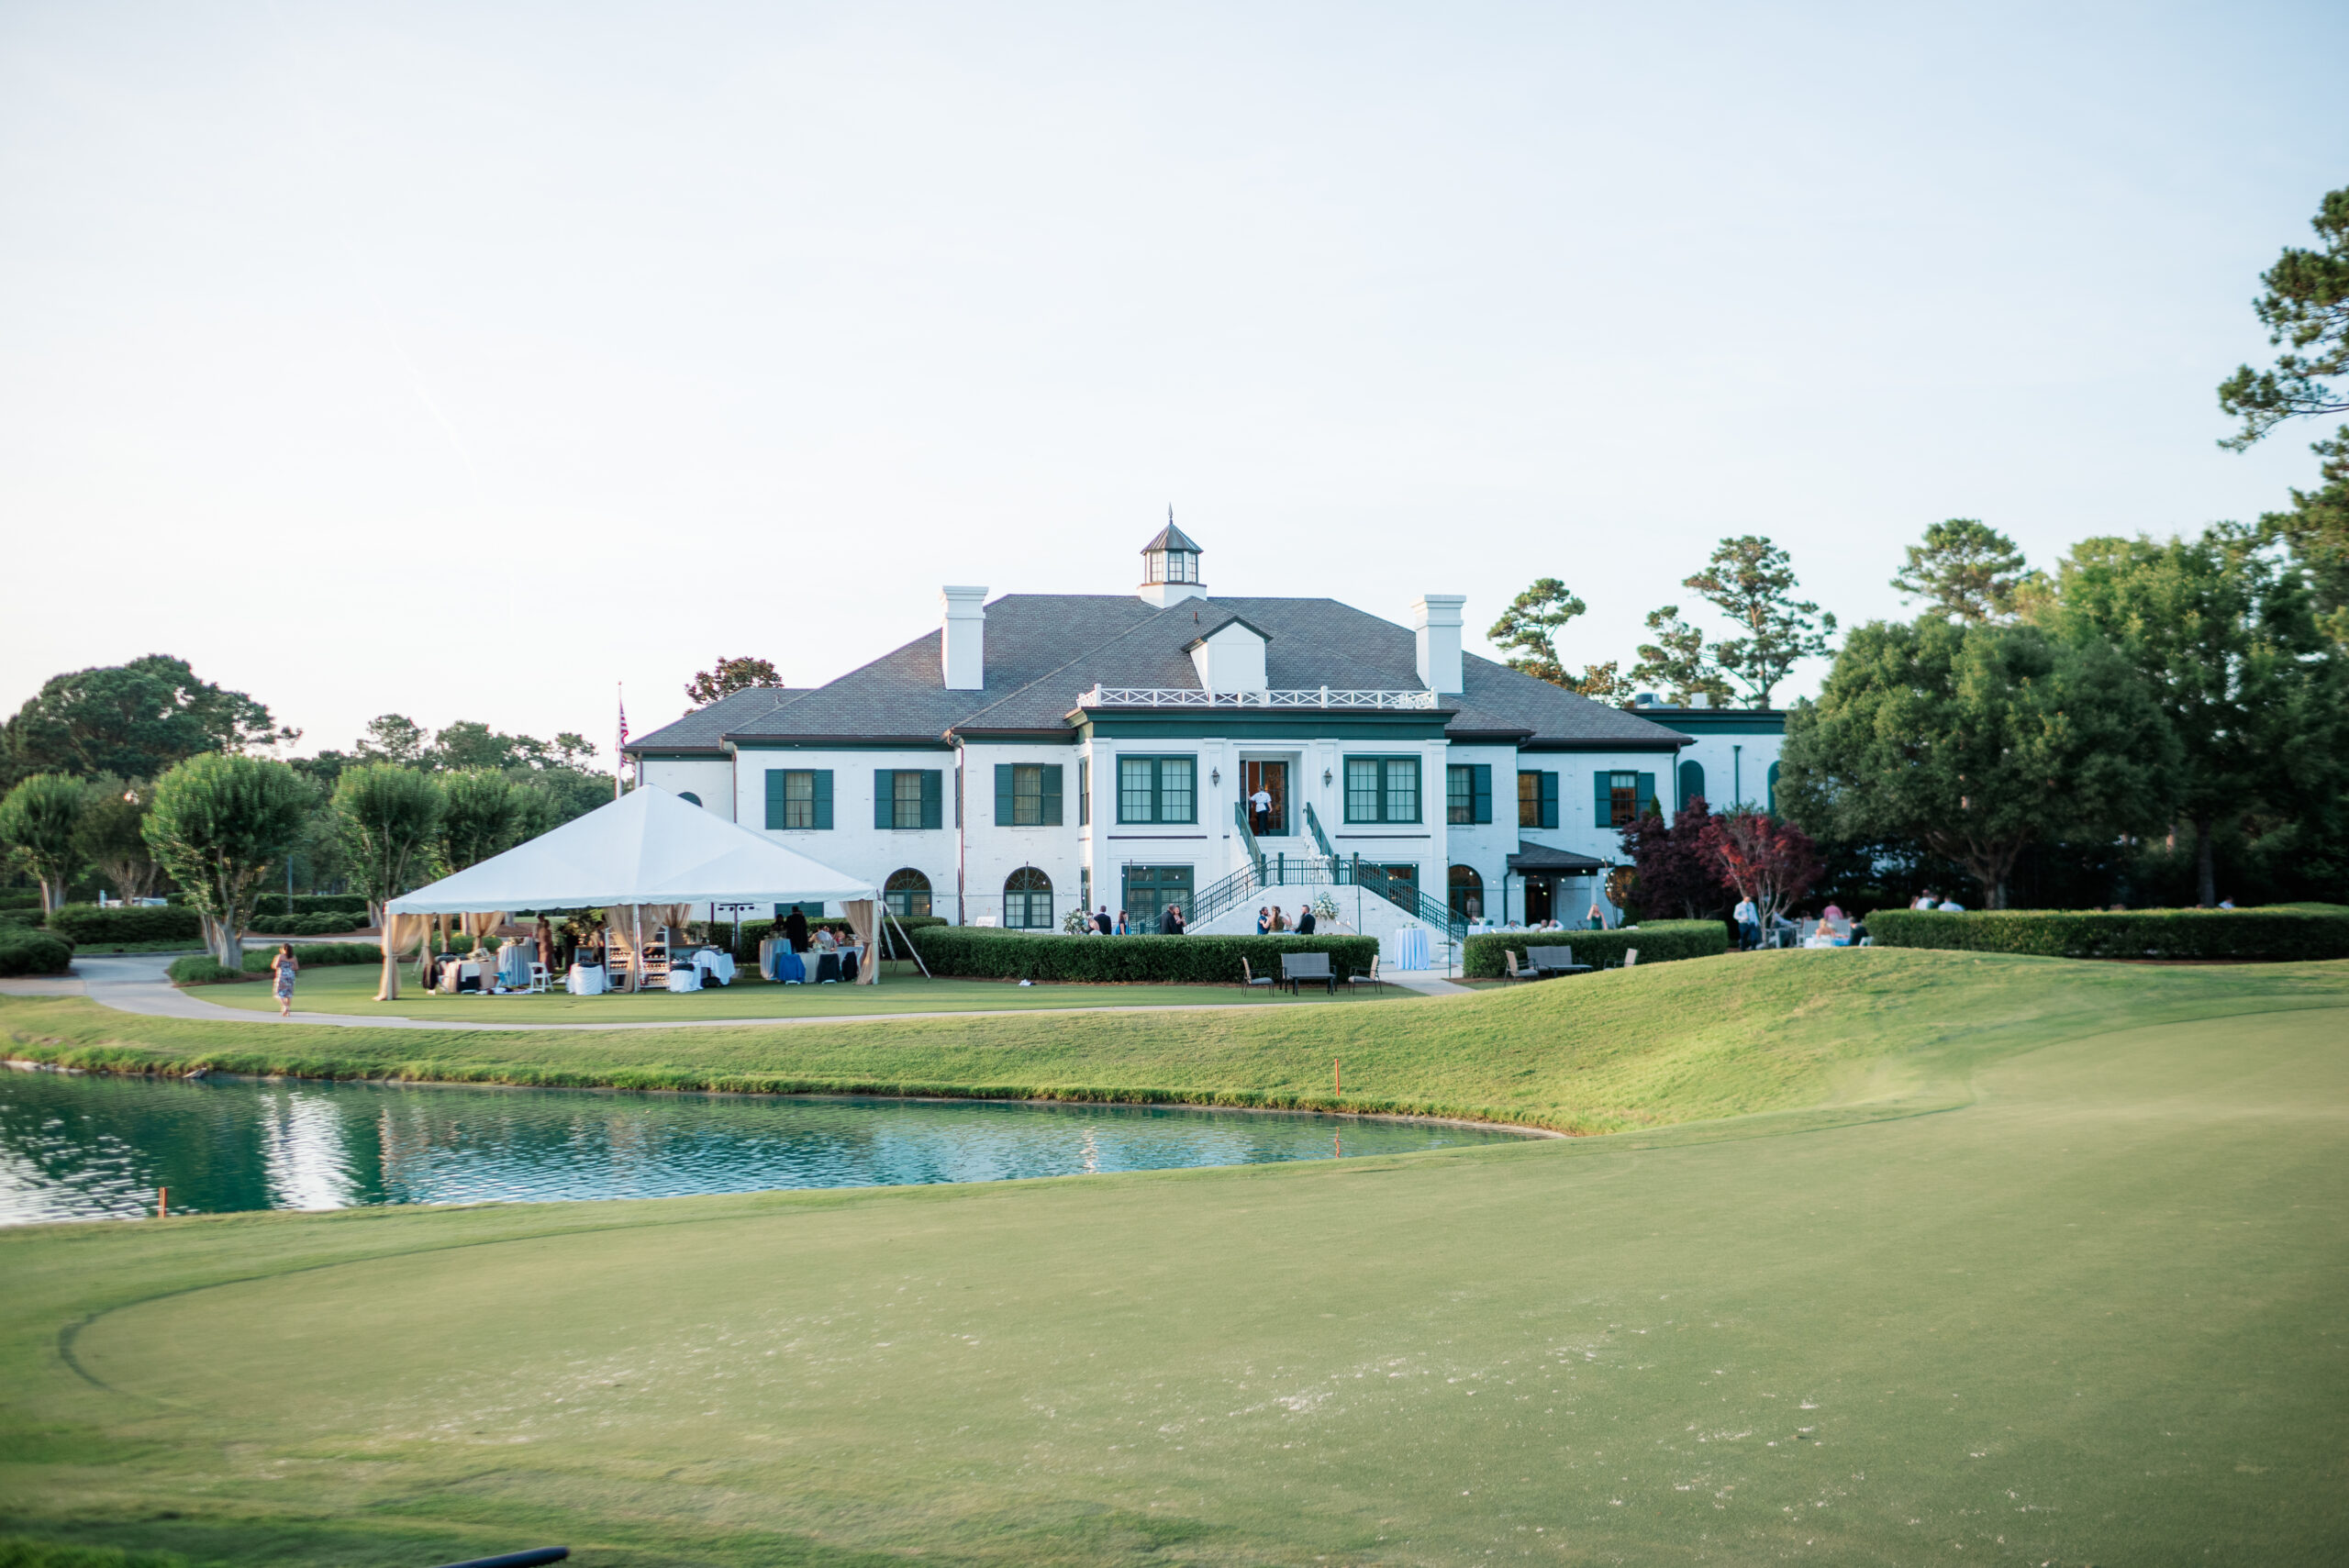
<point>1538,904</point>
<point>1271,780</point>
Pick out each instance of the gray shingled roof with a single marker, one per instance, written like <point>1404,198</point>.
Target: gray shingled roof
<point>1045,651</point>
<point>704,728</point>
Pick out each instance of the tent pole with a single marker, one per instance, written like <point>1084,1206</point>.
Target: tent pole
<point>636,956</point>
<point>890,915</point>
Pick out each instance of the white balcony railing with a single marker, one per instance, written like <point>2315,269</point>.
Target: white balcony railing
<point>1321,696</point>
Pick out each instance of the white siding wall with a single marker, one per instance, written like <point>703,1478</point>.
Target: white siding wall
<point>710,779</point>
<point>1486,847</point>
<point>992,852</point>
<point>853,844</point>
<point>1737,768</point>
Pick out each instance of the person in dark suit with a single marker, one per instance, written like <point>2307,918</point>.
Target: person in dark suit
<point>1171,923</point>
<point>1102,923</point>
<point>795,929</point>
<point>1304,920</point>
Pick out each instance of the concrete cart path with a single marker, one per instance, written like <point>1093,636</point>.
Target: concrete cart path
<point>135,983</point>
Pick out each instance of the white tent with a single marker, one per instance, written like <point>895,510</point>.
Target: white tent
<point>646,847</point>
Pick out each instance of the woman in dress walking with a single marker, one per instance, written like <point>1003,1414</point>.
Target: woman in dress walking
<point>284,967</point>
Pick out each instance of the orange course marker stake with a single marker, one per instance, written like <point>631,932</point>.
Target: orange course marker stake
<point>163,1203</point>
<point>1337,1075</point>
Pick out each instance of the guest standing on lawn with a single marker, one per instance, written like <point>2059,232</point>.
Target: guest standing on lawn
<point>284,967</point>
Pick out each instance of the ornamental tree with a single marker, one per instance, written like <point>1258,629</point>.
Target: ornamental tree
<point>1764,857</point>
<point>219,824</point>
<point>390,820</point>
<point>111,836</point>
<point>37,820</point>
<point>1677,873</point>
<point>1977,741</point>
<point>1679,662</point>
<point>481,815</point>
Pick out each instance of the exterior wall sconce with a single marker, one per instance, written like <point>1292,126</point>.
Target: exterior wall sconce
<point>1215,775</point>
<point>1325,778</point>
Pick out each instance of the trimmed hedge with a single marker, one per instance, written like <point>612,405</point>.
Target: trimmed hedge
<point>199,968</point>
<point>1659,942</point>
<point>982,952</point>
<point>25,950</point>
<point>202,969</point>
<point>317,955</point>
<point>324,923</point>
<point>86,923</point>
<point>756,931</point>
<point>2241,934</point>
<point>315,904</point>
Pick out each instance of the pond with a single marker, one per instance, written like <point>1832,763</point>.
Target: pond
<point>77,1147</point>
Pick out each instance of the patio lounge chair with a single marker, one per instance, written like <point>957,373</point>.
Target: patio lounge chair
<point>1301,966</point>
<point>1251,978</point>
<point>1517,971</point>
<point>1373,978</point>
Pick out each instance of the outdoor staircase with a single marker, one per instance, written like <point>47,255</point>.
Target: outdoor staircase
<point>1368,899</point>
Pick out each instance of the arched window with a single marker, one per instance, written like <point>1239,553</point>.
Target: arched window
<point>1692,784</point>
<point>1772,783</point>
<point>1027,900</point>
<point>907,892</point>
<point>1467,892</point>
<point>688,794</point>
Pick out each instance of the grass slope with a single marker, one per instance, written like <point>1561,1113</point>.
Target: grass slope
<point>1625,1050</point>
<point>351,988</point>
<point>2092,1316</point>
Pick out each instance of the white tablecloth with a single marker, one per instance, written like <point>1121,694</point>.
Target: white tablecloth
<point>716,965</point>
<point>584,980</point>
<point>1410,949</point>
<point>686,979</point>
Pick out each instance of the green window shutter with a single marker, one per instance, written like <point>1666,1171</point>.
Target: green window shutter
<point>934,797</point>
<point>823,797</point>
<point>1084,798</point>
<point>1052,796</point>
<point>775,798</point>
<point>1603,798</point>
<point>1004,808</point>
<point>884,798</point>
<point>1692,782</point>
<point>1480,793</point>
<point>1548,800</point>
<point>1647,794</point>
<point>1772,783</point>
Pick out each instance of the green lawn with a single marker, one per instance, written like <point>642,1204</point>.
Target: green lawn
<point>351,988</point>
<point>2040,1264</point>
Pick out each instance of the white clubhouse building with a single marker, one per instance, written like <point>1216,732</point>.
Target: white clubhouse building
<point>1048,751</point>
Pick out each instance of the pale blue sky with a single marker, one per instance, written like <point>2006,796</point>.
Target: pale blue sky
<point>462,360</point>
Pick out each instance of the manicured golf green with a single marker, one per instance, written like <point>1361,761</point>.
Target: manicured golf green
<point>2037,1262</point>
<point>351,988</point>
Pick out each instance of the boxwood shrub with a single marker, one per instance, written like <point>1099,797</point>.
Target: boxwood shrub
<point>26,951</point>
<point>316,955</point>
<point>324,923</point>
<point>983,952</point>
<point>756,931</point>
<point>199,968</point>
<point>2242,934</point>
<point>87,924</point>
<point>1659,942</point>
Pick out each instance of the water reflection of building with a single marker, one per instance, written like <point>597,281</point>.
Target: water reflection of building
<point>306,1160</point>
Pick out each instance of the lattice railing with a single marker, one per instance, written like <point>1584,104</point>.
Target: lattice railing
<point>1319,696</point>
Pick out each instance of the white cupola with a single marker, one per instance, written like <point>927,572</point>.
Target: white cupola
<point>1170,567</point>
